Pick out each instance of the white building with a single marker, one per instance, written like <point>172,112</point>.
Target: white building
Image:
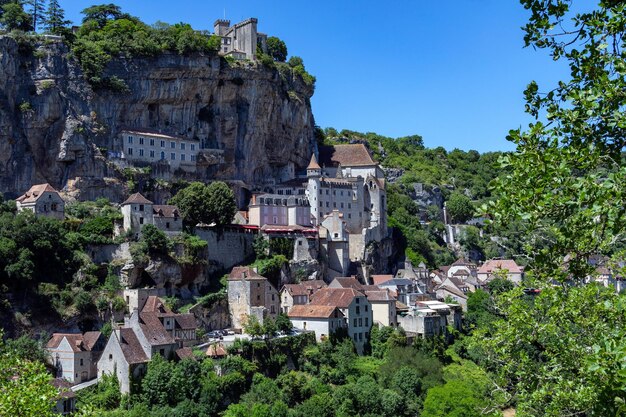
<point>138,211</point>
<point>43,200</point>
<point>504,268</point>
<point>149,147</point>
<point>277,209</point>
<point>75,355</point>
<point>321,319</point>
<point>354,306</point>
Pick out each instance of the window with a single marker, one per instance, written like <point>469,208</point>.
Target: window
<point>193,146</point>
<point>193,158</point>
<point>366,308</point>
<point>355,337</point>
<point>141,220</point>
<point>167,225</point>
<point>367,321</point>
<point>141,141</point>
<point>272,297</point>
<point>130,139</point>
<point>349,205</point>
<point>151,154</point>
<point>334,205</point>
<point>327,204</point>
<point>358,310</point>
<point>354,322</point>
<point>130,151</point>
<point>336,234</point>
<point>360,321</point>
<point>162,144</point>
<point>341,205</point>
<point>272,310</point>
<point>349,215</point>
<point>141,207</point>
<point>151,142</point>
<point>173,156</point>
<point>182,156</point>
<point>173,145</point>
<point>360,336</point>
<point>258,298</point>
<point>140,152</point>
<point>182,146</point>
<point>162,352</point>
<point>162,155</point>
<point>358,300</point>
<point>110,356</point>
<point>81,361</point>
<point>321,204</point>
<point>326,192</point>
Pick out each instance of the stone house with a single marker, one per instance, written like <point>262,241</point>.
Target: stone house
<point>505,268</point>
<point>298,294</point>
<point>354,306</point>
<point>324,320</point>
<point>138,211</point>
<point>42,200</point>
<point>276,209</point>
<point>431,318</point>
<point>240,40</point>
<point>125,357</point>
<point>250,294</point>
<point>75,355</point>
<point>406,291</point>
<point>181,327</point>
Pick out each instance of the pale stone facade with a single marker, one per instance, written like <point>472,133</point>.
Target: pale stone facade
<point>240,40</point>
<point>42,200</point>
<point>323,320</point>
<point>75,355</point>
<point>138,211</point>
<point>148,147</point>
<point>250,294</point>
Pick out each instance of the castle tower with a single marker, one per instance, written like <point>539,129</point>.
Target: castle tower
<point>220,27</point>
<point>314,169</point>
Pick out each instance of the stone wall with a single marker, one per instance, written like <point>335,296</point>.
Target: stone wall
<point>227,247</point>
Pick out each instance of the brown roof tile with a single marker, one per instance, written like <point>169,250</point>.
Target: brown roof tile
<point>35,192</point>
<point>379,295</point>
<point>345,155</point>
<point>131,348</point>
<point>379,279</point>
<point>313,164</point>
<point>244,272</point>
<point>185,353</point>
<point>165,211</point>
<point>78,342</point>
<point>337,297</point>
<point>186,321</point>
<point>136,198</point>
<point>312,311</point>
<point>349,282</point>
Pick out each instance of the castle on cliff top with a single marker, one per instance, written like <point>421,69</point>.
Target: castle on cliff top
<point>240,40</point>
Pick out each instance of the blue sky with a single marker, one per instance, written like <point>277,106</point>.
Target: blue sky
<point>453,72</point>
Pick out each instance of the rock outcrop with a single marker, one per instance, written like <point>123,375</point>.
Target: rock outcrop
<point>54,127</point>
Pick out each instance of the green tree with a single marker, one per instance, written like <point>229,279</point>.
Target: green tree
<point>200,203</point>
<point>283,323</point>
<point>253,327</point>
<point>102,13</point>
<point>155,239</point>
<point>459,207</point>
<point>14,17</point>
<point>277,49</point>
<point>222,207</point>
<point>567,182</point>
<point>54,18</point>
<point>36,8</point>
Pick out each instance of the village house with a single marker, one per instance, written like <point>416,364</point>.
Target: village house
<point>75,355</point>
<point>335,243</point>
<point>456,289</point>
<point>250,294</point>
<point>431,318</point>
<point>125,357</point>
<point>324,320</point>
<point>406,291</point>
<point>354,306</point>
<point>65,402</point>
<point>382,300</point>
<point>138,211</point>
<point>240,40</point>
<point>503,268</point>
<point>298,294</point>
<point>153,147</point>
<point>182,327</point>
<point>42,200</point>
<point>276,209</point>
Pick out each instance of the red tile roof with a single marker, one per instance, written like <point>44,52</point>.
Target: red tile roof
<point>137,198</point>
<point>64,388</point>
<point>349,282</point>
<point>379,295</point>
<point>35,192</point>
<point>185,353</point>
<point>345,155</point>
<point>337,297</point>
<point>379,279</point>
<point>500,264</point>
<point>313,311</point>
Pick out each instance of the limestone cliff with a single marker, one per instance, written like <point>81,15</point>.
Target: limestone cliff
<point>55,128</point>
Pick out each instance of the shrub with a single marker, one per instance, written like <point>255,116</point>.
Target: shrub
<point>25,107</point>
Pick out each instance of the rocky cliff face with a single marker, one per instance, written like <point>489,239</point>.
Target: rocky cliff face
<point>55,128</point>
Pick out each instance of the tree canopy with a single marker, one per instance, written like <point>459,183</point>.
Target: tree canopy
<point>200,203</point>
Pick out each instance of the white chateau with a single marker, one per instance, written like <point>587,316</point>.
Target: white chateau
<point>342,200</point>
